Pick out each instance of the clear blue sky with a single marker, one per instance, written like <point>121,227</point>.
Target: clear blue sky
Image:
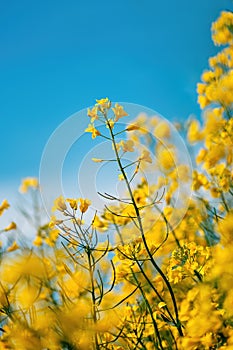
<point>58,56</point>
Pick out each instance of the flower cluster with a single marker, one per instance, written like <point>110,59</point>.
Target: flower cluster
<point>143,273</point>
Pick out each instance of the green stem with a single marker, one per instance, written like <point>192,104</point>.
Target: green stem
<point>93,297</point>
<point>178,324</point>
<point>151,313</point>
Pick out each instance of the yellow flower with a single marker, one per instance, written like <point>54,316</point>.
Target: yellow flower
<point>99,224</point>
<point>84,204</point>
<point>121,177</point>
<point>73,203</point>
<point>119,112</point>
<point>228,303</point>
<point>59,204</point>
<point>11,226</point>
<point>54,221</point>
<point>215,153</point>
<point>208,76</point>
<point>103,105</point>
<point>201,88</point>
<point>93,130</point>
<point>127,146</point>
<point>27,295</point>
<point>29,182</point>
<point>166,158</point>
<point>13,247</point>
<point>53,235</point>
<point>215,192</point>
<point>194,133</point>
<point>225,228</point>
<point>203,101</point>
<point>97,160</point>
<point>221,29</point>
<point>93,113</point>
<point>161,304</point>
<point>38,241</point>
<point>132,127</point>
<point>162,130</point>
<point>199,180</point>
<point>5,205</point>
<point>201,156</point>
<point>102,101</point>
<point>146,156</point>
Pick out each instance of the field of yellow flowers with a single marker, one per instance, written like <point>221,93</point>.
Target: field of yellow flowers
<point>159,280</point>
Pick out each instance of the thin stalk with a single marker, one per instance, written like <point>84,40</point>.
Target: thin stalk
<point>93,297</point>
<point>151,313</point>
<point>178,325</point>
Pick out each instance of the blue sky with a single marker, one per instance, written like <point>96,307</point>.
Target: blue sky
<point>58,56</point>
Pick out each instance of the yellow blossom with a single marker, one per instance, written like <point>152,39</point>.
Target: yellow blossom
<point>132,127</point>
<point>121,177</point>
<point>161,304</point>
<point>11,226</point>
<point>221,32</point>
<point>93,113</point>
<point>59,204</point>
<point>5,205</point>
<point>119,112</point>
<point>73,203</point>
<point>203,101</point>
<point>84,204</point>
<point>146,157</point>
<point>54,221</point>
<point>225,228</point>
<point>13,247</point>
<point>102,101</point>
<point>201,156</point>
<point>127,146</point>
<point>162,130</point>
<point>103,105</point>
<point>51,239</point>
<point>98,224</point>
<point>29,182</point>
<point>166,158</point>
<point>194,133</point>
<point>93,131</point>
<point>97,160</point>
<point>27,295</point>
<point>38,241</point>
<point>201,88</point>
<point>199,180</point>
